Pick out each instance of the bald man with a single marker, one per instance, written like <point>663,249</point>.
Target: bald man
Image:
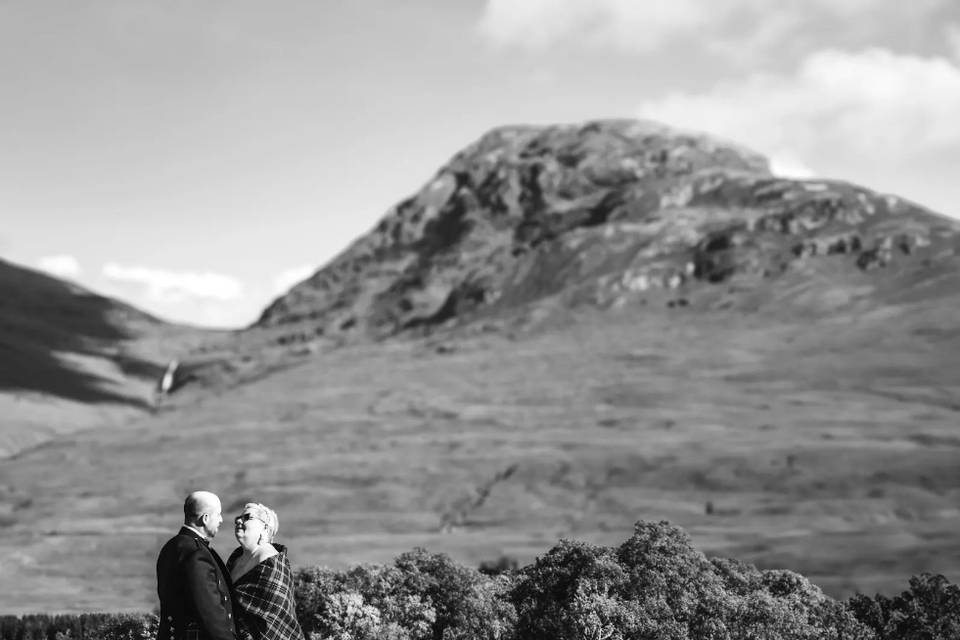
<point>192,581</point>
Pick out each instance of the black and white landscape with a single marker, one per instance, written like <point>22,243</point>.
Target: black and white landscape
<point>568,329</point>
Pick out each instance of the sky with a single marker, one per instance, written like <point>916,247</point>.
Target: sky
<point>196,158</point>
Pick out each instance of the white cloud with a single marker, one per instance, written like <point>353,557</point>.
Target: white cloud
<point>624,23</point>
<point>214,314</point>
<point>292,276</point>
<point>731,26</point>
<point>163,285</point>
<point>857,112</point>
<point>62,266</point>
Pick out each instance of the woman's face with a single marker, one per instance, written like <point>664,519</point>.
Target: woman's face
<point>248,529</point>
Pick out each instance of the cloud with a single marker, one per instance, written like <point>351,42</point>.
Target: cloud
<point>292,276</point>
<point>213,313</point>
<point>202,299</point>
<point>540,23</point>
<point>62,266</point>
<point>735,27</point>
<point>173,286</point>
<point>868,110</point>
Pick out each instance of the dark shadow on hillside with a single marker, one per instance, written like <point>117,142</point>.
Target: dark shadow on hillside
<point>41,316</point>
<point>139,368</point>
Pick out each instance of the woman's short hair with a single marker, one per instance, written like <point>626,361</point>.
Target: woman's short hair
<point>266,515</point>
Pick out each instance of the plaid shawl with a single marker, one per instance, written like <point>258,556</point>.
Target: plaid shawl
<point>263,598</point>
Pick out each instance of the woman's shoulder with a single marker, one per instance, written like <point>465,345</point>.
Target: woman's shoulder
<point>282,554</point>
<point>266,552</point>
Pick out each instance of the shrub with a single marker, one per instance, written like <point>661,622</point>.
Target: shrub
<point>422,596</point>
<point>571,593</point>
<point>503,564</point>
<point>118,627</point>
<point>928,610</point>
<point>88,626</point>
<point>676,585</point>
<point>656,585</point>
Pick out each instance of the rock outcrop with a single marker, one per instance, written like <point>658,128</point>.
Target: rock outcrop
<point>602,213</point>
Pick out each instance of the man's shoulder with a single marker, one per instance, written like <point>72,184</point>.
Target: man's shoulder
<point>185,542</point>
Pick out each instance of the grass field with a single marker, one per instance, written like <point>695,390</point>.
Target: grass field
<point>824,442</point>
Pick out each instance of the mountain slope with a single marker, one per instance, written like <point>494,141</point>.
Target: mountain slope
<point>70,358</point>
<point>824,447</point>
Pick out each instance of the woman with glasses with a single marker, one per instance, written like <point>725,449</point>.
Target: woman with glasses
<point>262,578</point>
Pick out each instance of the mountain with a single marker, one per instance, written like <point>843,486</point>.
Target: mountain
<point>604,214</point>
<point>569,329</point>
<point>70,358</point>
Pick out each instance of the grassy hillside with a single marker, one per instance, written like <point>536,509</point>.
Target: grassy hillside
<point>71,359</point>
<point>820,442</point>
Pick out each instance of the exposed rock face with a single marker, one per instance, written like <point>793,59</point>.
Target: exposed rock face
<point>600,213</point>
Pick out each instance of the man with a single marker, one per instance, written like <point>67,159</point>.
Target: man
<point>192,581</point>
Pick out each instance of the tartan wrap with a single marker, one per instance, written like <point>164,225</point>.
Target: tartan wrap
<point>263,598</point>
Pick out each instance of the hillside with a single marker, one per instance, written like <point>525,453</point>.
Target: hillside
<point>71,359</point>
<point>828,448</point>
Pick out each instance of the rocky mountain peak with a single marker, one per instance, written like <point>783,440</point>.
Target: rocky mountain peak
<point>602,213</point>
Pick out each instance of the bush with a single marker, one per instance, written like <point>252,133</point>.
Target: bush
<point>570,593</point>
<point>928,610</point>
<point>503,564</point>
<point>88,626</point>
<point>656,585</point>
<point>422,596</point>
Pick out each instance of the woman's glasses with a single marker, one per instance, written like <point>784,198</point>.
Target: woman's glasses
<point>245,518</point>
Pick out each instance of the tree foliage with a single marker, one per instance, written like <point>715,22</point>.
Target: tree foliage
<point>88,626</point>
<point>421,596</point>
<point>655,585</point>
<point>928,610</point>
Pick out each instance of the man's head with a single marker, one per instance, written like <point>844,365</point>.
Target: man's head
<point>202,511</point>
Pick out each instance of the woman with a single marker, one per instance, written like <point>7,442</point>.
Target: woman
<point>262,579</point>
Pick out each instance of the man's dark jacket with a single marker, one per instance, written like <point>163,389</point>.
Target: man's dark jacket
<point>194,589</point>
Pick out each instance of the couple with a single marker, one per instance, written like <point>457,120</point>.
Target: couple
<point>248,598</point>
